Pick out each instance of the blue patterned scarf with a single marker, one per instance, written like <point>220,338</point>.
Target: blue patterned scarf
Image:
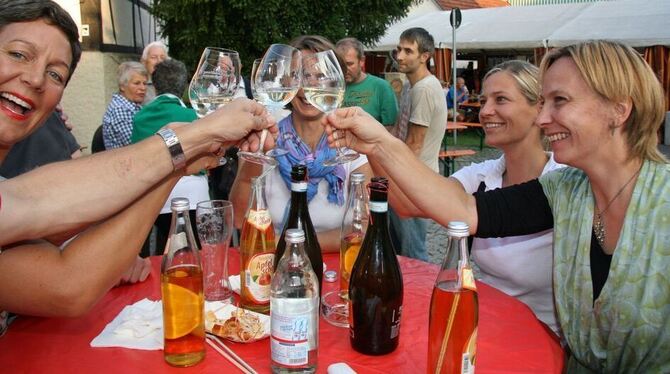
<point>299,153</point>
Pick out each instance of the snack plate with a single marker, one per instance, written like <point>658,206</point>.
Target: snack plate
<point>224,311</point>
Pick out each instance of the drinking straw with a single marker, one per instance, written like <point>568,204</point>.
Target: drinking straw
<point>447,332</point>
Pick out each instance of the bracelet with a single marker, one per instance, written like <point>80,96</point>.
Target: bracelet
<point>172,142</point>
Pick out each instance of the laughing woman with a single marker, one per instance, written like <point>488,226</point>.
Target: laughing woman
<point>610,210</point>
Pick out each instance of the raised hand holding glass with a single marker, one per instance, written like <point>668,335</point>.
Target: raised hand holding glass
<point>215,81</point>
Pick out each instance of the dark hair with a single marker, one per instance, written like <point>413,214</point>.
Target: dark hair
<point>169,76</point>
<point>317,43</point>
<point>422,38</point>
<point>14,11</point>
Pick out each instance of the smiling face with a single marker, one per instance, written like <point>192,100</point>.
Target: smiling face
<point>574,118</point>
<point>34,68</point>
<point>301,107</point>
<point>506,115</point>
<point>135,89</point>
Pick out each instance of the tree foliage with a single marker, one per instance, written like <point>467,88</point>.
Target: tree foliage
<point>249,27</point>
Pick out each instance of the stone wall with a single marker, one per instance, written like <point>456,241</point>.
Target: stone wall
<point>90,90</point>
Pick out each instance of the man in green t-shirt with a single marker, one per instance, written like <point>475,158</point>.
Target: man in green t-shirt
<point>371,93</point>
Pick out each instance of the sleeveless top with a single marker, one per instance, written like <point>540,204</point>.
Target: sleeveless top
<point>627,328</point>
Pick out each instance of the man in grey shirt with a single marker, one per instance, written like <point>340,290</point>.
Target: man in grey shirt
<point>421,125</point>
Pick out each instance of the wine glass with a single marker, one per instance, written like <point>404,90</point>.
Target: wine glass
<point>323,84</point>
<point>215,81</point>
<point>252,79</point>
<point>276,81</point>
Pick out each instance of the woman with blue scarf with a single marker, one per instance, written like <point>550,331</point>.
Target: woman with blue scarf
<point>302,135</point>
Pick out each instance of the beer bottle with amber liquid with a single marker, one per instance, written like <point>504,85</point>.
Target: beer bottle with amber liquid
<point>354,225</point>
<point>375,288</point>
<point>182,292</point>
<point>454,310</point>
<point>298,218</point>
<point>257,251</point>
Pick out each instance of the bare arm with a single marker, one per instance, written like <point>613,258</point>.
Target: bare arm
<point>442,199</point>
<point>39,279</point>
<point>93,188</point>
<point>415,136</point>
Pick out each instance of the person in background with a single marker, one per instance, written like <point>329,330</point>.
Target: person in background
<point>371,93</point>
<point>153,54</point>
<point>117,122</point>
<point>105,202</point>
<point>421,124</point>
<point>517,265</point>
<point>303,136</point>
<point>170,80</point>
<point>49,143</point>
<point>462,94</point>
<point>610,210</point>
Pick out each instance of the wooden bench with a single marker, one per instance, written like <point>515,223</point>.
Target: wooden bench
<point>448,158</point>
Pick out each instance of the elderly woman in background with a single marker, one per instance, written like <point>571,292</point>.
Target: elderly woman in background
<point>303,136</point>
<point>153,54</point>
<point>170,79</point>
<point>602,107</point>
<point>117,123</point>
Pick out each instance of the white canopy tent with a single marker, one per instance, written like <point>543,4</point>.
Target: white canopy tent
<point>638,23</point>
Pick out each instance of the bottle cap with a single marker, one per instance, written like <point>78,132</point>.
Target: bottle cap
<point>357,177</point>
<point>295,236</point>
<point>180,204</point>
<point>458,229</point>
<point>330,276</point>
<point>299,173</point>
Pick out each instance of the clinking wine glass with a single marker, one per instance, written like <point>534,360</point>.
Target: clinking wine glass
<point>276,82</point>
<point>323,84</point>
<point>215,81</point>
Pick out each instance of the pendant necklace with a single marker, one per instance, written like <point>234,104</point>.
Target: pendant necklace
<point>598,226</point>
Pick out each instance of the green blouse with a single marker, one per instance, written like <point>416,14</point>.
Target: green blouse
<point>627,329</point>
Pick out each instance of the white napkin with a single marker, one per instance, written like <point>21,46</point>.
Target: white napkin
<point>235,283</point>
<point>138,326</point>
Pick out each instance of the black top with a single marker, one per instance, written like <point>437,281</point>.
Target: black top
<point>524,209</point>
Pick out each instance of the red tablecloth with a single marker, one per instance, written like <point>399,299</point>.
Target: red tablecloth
<point>509,339</point>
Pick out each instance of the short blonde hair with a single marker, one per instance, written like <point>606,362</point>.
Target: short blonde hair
<point>617,72</point>
<point>526,76</point>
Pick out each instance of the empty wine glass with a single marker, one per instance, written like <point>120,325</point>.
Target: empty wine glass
<point>215,81</point>
<point>252,80</point>
<point>323,84</point>
<point>276,82</point>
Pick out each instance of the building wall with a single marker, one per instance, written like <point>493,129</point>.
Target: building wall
<point>90,90</point>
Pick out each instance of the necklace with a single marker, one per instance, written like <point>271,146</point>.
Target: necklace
<point>598,226</point>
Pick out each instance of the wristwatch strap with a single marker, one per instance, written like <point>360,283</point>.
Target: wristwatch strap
<point>172,143</point>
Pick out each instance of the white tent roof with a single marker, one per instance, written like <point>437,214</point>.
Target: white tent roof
<point>634,22</point>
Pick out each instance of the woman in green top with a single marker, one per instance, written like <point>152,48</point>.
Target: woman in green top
<point>602,107</point>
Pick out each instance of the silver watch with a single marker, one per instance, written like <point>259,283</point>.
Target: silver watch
<point>172,142</point>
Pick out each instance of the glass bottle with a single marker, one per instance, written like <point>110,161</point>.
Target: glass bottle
<point>182,292</point>
<point>452,335</point>
<point>298,218</point>
<point>354,225</point>
<point>376,288</point>
<point>257,251</point>
<point>294,310</point>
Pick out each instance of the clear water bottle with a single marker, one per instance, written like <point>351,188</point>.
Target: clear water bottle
<point>294,309</point>
<point>182,292</point>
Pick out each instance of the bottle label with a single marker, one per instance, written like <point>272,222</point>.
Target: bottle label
<point>259,218</point>
<point>468,279</point>
<point>395,324</point>
<point>288,343</point>
<point>299,186</point>
<point>379,206</point>
<point>258,277</point>
<point>178,241</point>
<point>468,359</point>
